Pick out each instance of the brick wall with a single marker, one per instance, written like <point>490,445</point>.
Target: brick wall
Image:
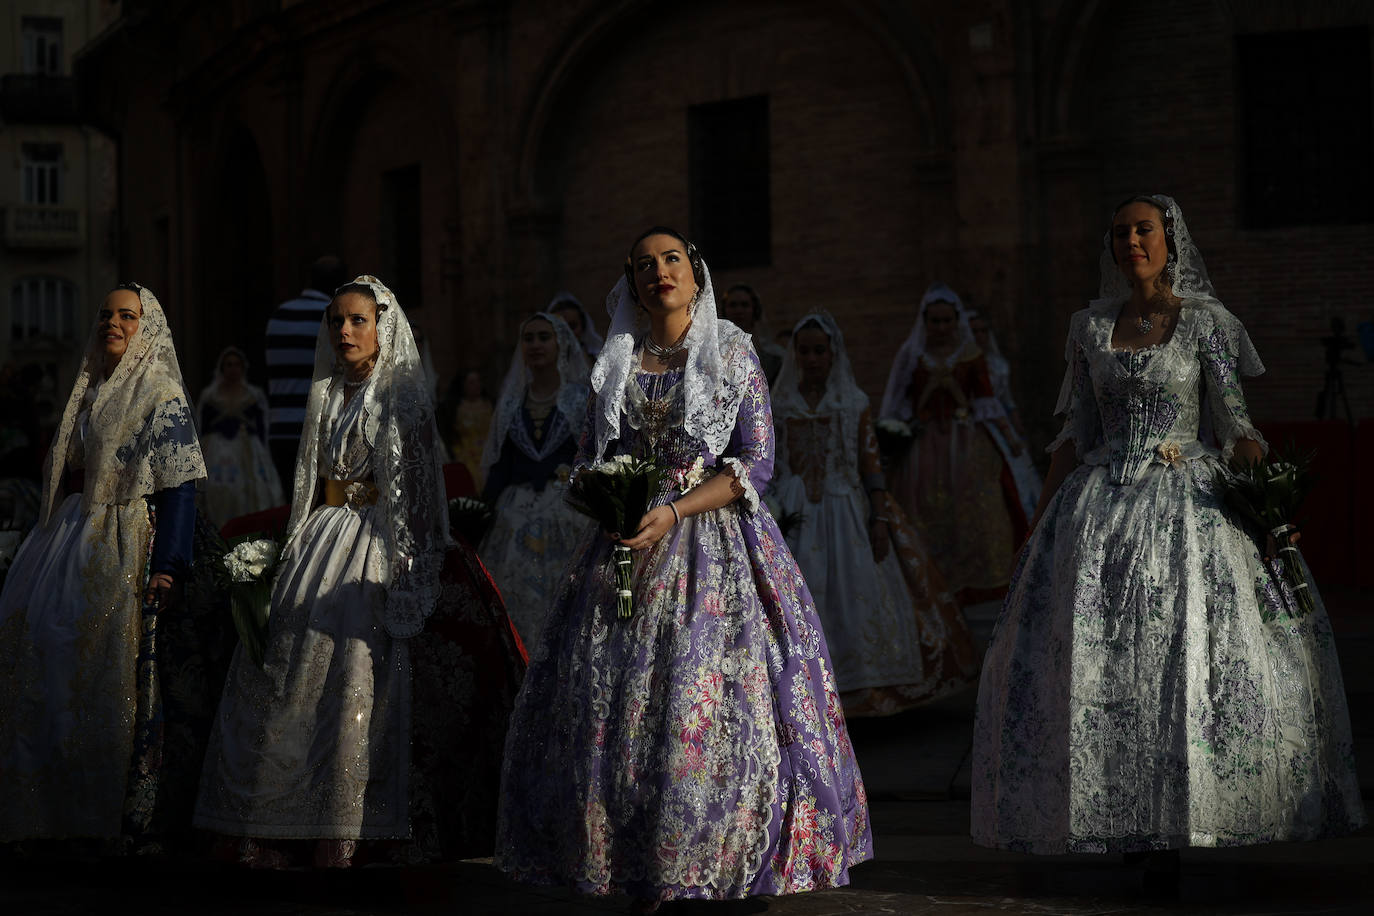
<point>981,143</point>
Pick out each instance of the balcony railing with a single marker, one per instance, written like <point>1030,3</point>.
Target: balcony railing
<point>32,99</point>
<point>32,226</point>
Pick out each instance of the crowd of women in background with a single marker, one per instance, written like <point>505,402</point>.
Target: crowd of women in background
<point>1148,684</point>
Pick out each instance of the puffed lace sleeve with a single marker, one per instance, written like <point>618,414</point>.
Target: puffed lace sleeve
<point>749,455</point>
<point>1226,353</point>
<point>1077,400</point>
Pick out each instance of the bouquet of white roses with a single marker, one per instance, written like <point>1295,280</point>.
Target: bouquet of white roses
<point>617,493</point>
<point>248,570</point>
<point>1267,495</point>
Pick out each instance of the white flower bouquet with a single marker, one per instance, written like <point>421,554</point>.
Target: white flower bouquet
<point>617,493</point>
<point>248,570</point>
<point>895,437</point>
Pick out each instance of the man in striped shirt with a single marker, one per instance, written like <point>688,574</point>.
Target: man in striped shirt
<point>291,334</point>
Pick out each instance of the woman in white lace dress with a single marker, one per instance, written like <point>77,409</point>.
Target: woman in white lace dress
<point>390,668</point>
<point>530,451</point>
<point>897,637</point>
<point>1149,684</point>
<point>80,698</point>
<point>232,418</point>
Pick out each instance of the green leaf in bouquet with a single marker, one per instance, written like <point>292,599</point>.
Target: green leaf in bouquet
<point>250,605</point>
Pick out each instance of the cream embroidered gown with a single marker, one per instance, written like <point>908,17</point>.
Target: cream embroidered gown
<point>347,732</point>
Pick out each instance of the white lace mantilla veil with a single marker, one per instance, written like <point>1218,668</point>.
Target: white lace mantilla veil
<point>1187,276</point>
<point>715,379</point>
<point>843,396</point>
<point>592,342</point>
<point>398,423</point>
<point>145,394</point>
<point>572,390</point>
<point>896,404</point>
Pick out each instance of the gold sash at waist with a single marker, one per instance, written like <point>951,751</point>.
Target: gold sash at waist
<point>355,493</point>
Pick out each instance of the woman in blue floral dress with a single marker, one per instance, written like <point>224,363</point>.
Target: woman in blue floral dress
<point>697,749</point>
<point>1148,685</point>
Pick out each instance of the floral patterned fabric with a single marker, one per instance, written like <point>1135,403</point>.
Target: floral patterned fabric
<point>534,531</point>
<point>1147,685</point>
<point>699,748</point>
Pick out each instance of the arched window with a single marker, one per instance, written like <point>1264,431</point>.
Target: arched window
<point>42,308</point>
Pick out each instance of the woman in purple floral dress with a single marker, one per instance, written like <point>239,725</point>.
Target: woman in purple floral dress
<point>696,749</point>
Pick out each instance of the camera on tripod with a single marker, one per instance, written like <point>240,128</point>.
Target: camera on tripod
<point>1333,387</point>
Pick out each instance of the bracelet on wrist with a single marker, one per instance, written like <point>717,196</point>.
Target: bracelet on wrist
<point>677,516</point>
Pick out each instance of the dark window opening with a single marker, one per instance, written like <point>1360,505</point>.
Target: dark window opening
<point>1307,128</point>
<point>401,234</point>
<point>731,217</point>
<point>41,40</point>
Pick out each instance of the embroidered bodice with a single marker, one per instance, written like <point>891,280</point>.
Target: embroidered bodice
<point>343,446</point>
<point>653,424</point>
<point>956,389</point>
<point>1123,405</point>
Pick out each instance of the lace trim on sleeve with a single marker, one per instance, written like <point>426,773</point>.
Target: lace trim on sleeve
<point>741,472</point>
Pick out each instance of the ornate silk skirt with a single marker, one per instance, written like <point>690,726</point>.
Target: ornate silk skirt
<point>697,749</point>
<point>1147,685</point>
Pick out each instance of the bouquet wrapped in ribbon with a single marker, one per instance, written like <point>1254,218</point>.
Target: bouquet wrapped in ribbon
<point>471,518</point>
<point>895,437</point>
<point>1267,495</point>
<point>617,493</point>
<point>246,574</point>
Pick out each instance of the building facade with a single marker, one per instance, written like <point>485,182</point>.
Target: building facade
<point>479,155</point>
<point>58,181</point>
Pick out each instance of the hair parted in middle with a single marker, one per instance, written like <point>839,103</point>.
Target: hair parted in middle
<point>1171,264</point>
<point>693,257</point>
<point>362,289</point>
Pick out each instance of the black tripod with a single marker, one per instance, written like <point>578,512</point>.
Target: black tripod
<point>1333,386</point>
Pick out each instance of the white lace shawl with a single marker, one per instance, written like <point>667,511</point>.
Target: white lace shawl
<point>572,390</point>
<point>896,404</point>
<point>398,423</point>
<point>715,380</point>
<point>127,451</point>
<point>1187,276</point>
<point>843,397</point>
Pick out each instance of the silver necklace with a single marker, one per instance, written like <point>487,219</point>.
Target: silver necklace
<point>1144,324</point>
<point>532,398</point>
<point>668,352</point>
